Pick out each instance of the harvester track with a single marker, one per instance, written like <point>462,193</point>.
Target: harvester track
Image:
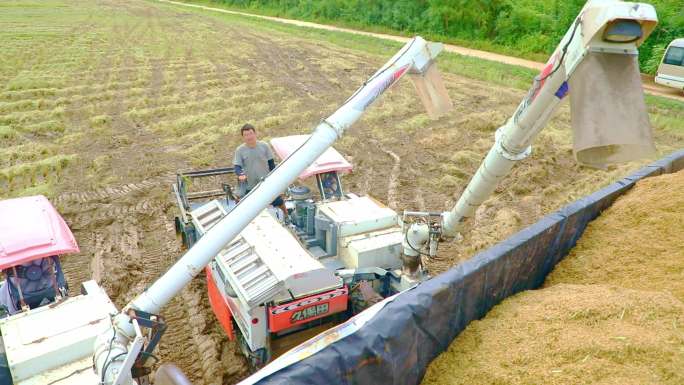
<point>113,192</point>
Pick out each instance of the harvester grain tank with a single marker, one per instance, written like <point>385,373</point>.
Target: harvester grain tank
<point>603,40</point>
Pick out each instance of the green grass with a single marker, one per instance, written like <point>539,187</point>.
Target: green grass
<point>8,133</point>
<point>100,120</point>
<point>28,83</point>
<point>659,102</point>
<point>44,166</point>
<point>666,114</point>
<point>28,152</point>
<point>46,189</point>
<point>37,175</point>
<point>46,127</point>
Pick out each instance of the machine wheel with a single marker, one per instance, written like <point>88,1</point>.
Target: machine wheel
<point>255,359</point>
<point>362,296</point>
<point>188,237</point>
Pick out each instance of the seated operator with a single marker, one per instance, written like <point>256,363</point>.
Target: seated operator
<point>253,161</point>
<point>331,189</point>
<point>33,284</point>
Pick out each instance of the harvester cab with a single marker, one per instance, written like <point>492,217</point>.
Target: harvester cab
<point>46,334</point>
<point>326,169</point>
<point>30,245</point>
<point>32,284</point>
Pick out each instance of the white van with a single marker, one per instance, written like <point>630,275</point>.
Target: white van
<point>671,69</point>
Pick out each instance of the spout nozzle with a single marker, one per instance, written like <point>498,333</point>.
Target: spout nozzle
<point>608,112</point>
<point>431,91</point>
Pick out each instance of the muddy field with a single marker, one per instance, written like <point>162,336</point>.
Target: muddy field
<point>101,102</point>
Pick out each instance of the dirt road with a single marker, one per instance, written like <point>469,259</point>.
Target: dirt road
<point>650,87</point>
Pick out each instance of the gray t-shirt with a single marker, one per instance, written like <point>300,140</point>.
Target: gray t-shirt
<point>254,161</point>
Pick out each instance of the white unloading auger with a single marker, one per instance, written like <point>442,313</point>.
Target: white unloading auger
<point>596,62</point>
<point>117,350</point>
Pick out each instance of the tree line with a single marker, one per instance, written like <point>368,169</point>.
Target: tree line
<point>526,28</point>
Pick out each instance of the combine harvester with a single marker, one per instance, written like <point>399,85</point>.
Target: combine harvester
<point>254,282</point>
<point>340,253</point>
<point>394,341</point>
<point>343,254</point>
<point>55,339</point>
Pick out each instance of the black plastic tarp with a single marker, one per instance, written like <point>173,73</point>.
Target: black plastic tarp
<point>400,341</point>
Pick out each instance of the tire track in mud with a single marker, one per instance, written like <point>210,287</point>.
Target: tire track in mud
<point>418,198</point>
<point>365,185</point>
<point>114,253</point>
<point>95,216</point>
<point>393,182</point>
<point>189,327</point>
<point>114,192</point>
<point>131,245</point>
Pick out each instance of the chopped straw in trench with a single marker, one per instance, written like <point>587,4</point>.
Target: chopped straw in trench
<point>611,312</point>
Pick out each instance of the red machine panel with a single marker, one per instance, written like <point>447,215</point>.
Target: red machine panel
<point>219,306</point>
<point>307,309</point>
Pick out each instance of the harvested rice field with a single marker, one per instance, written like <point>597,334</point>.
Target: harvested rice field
<point>102,102</point>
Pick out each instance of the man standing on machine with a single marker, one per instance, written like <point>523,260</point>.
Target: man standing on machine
<point>253,160</point>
